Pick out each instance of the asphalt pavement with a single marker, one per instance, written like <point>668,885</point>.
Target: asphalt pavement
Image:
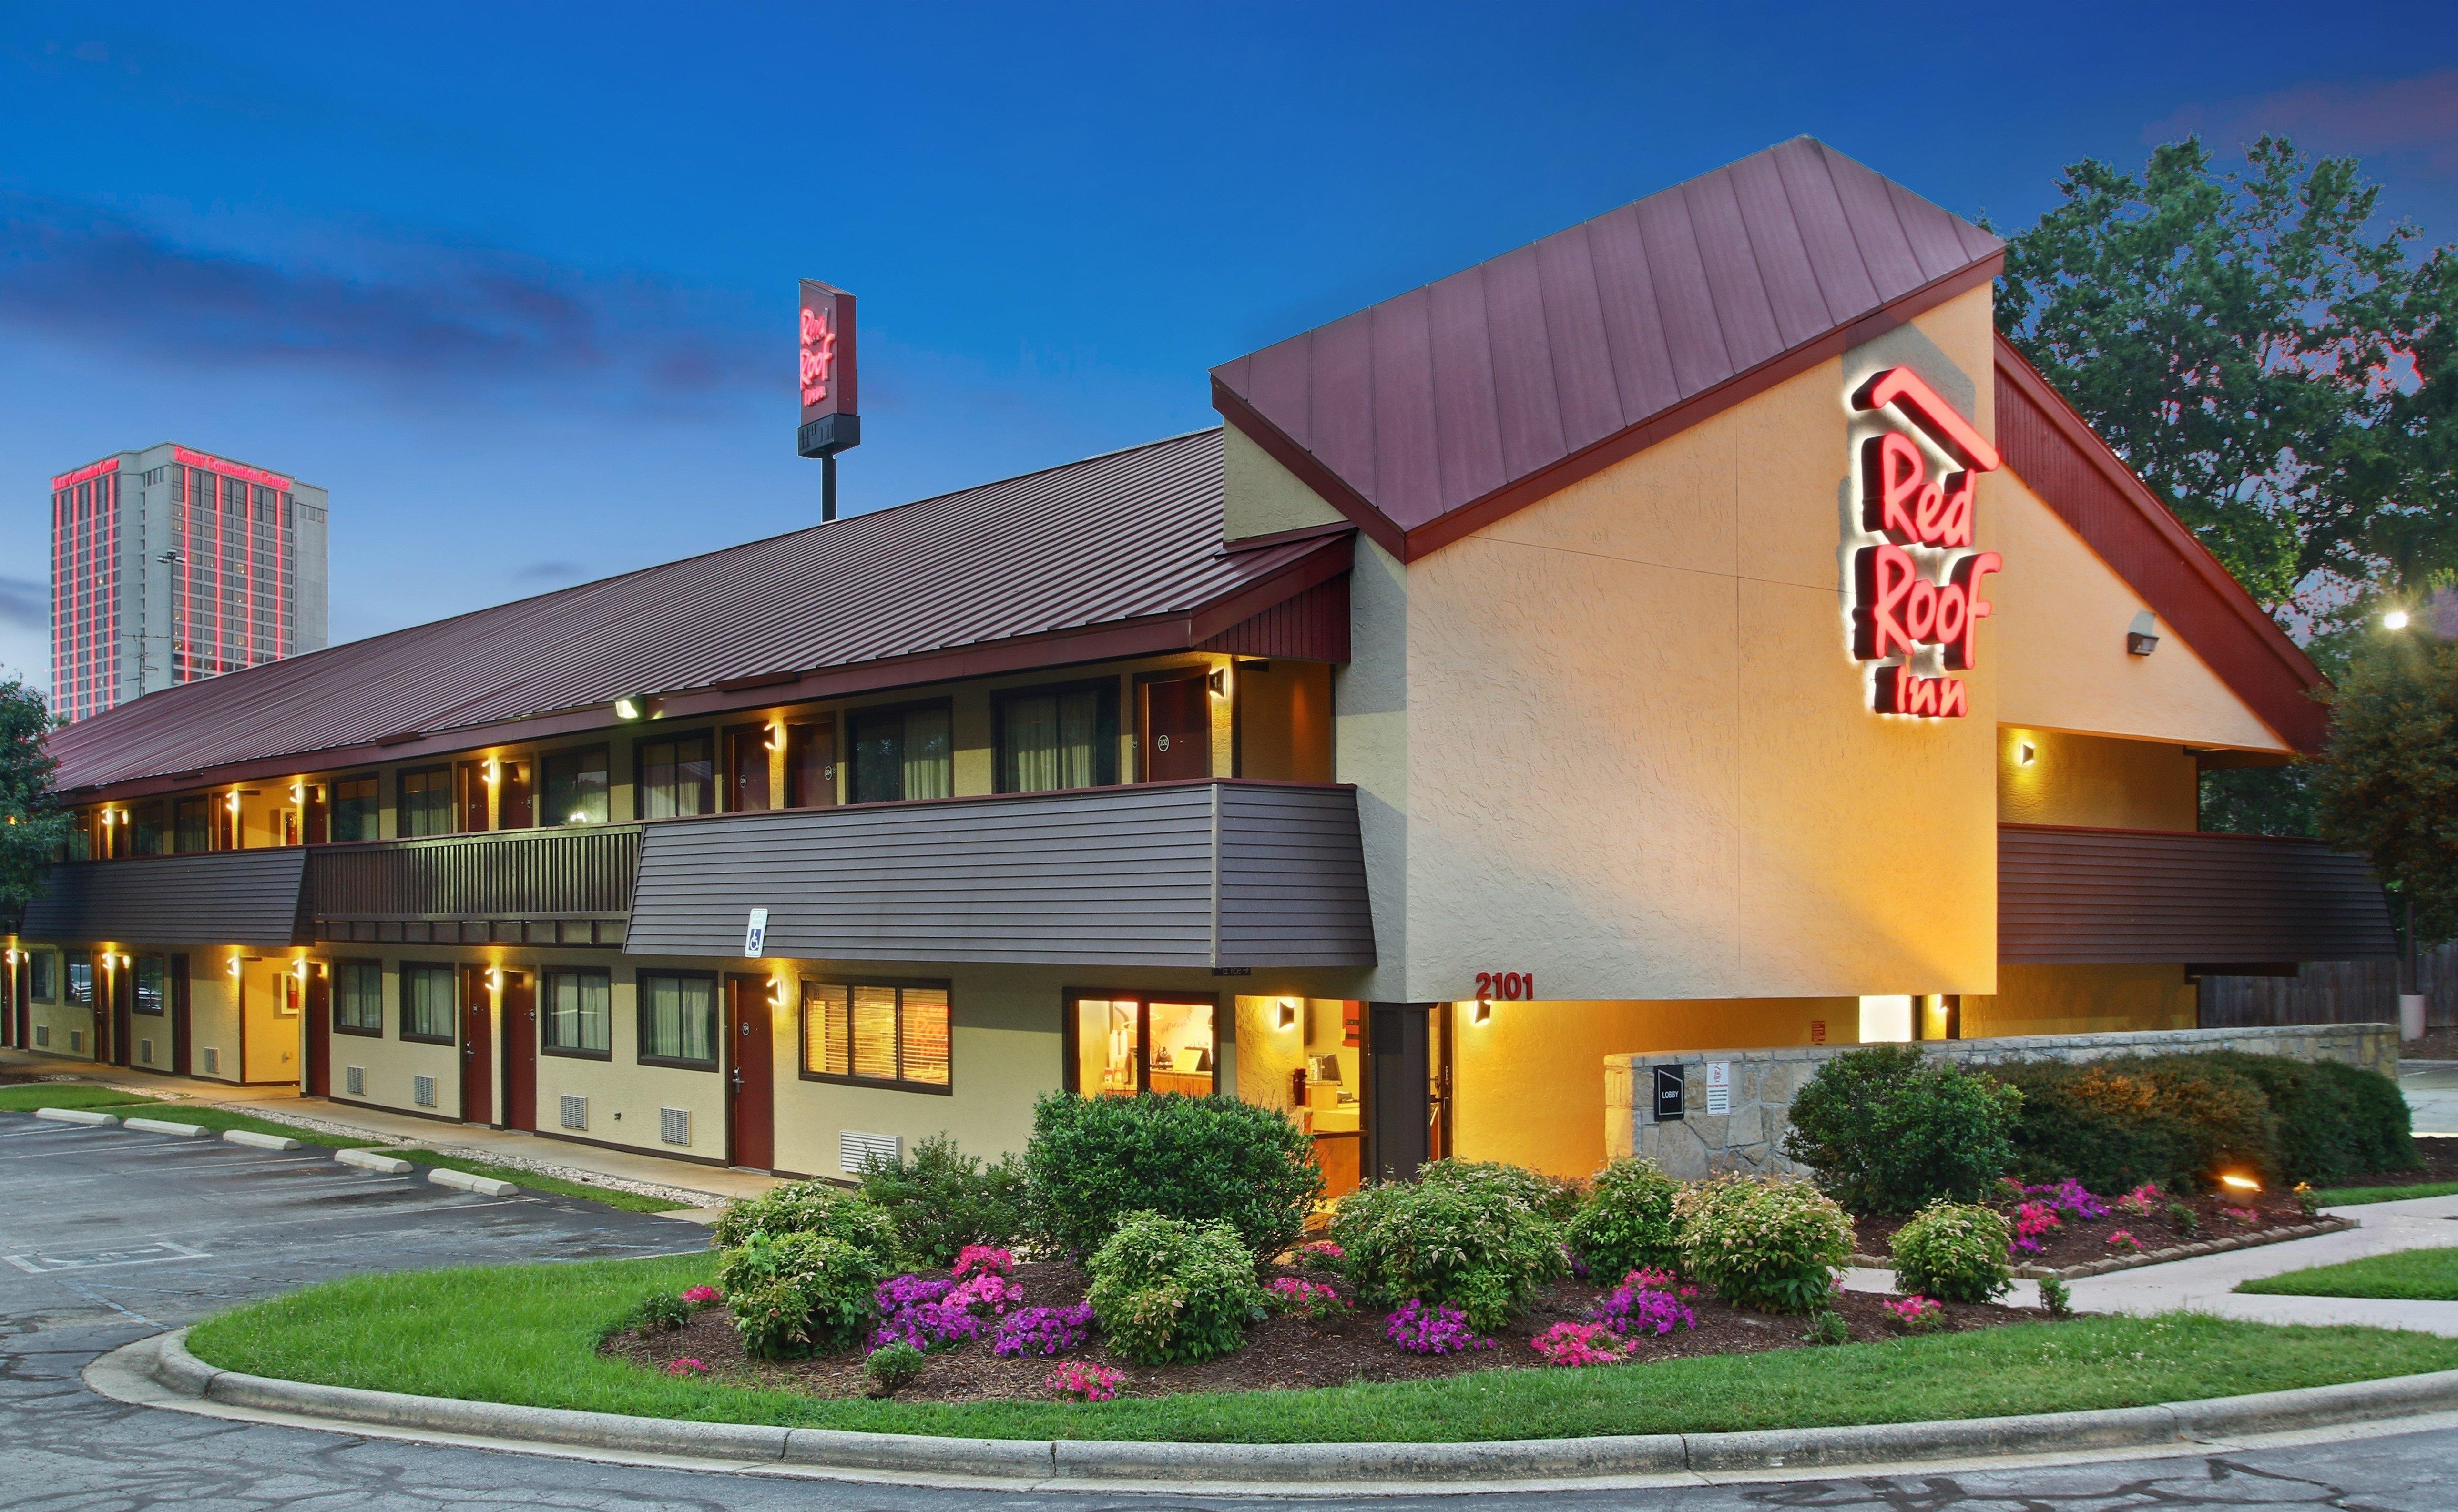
<point>108,1236</point>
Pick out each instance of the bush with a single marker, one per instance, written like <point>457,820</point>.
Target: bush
<point>1773,1243</point>
<point>1889,1128</point>
<point>941,1200</point>
<point>891,1365</point>
<point>1168,1290</point>
<point>1094,1160</point>
<point>1952,1250</point>
<point>810,1206</point>
<point>1471,1234</point>
<point>1626,1223</point>
<point>2333,1119</point>
<point>792,1294</point>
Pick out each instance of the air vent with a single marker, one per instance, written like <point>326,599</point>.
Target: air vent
<point>422,1090</point>
<point>674,1125</point>
<point>76,1038</point>
<point>145,1052</point>
<point>576,1111</point>
<point>43,1037</point>
<point>354,1081</point>
<point>213,1060</point>
<point>855,1152</point>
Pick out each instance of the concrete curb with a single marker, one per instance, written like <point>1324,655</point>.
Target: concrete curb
<point>157,1126</point>
<point>256,1140</point>
<point>369,1160</point>
<point>77,1116</point>
<point>483,1186</point>
<point>1318,1465</point>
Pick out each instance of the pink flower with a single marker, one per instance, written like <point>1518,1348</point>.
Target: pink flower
<point>2123,1239</point>
<point>986,1259</point>
<point>1581,1344</point>
<point>1917,1315</point>
<point>703,1295</point>
<point>1079,1381</point>
<point>1323,1251</point>
<point>687,1367</point>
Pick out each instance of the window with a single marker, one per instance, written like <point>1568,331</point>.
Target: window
<point>891,1034</point>
<point>678,778</point>
<point>426,802</point>
<point>677,1019</point>
<point>80,981</point>
<point>578,1014</point>
<point>426,1003</point>
<point>354,809</point>
<point>149,829</point>
<point>357,997</point>
<point>1126,1043</point>
<point>900,754</point>
<point>575,787</point>
<point>152,984</point>
<point>811,765</point>
<point>195,826</point>
<point>43,976</point>
<point>1058,738</point>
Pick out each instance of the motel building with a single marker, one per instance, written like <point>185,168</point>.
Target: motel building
<point>1697,630</point>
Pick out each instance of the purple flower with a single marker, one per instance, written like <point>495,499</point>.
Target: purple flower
<point>2070,1198</point>
<point>1043,1330</point>
<point>1643,1310</point>
<point>1421,1330</point>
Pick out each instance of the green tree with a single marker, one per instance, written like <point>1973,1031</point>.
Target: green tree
<point>2389,787</point>
<point>32,831</point>
<point>2277,369</point>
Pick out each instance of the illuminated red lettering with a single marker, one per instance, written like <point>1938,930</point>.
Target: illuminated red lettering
<point>1920,610</point>
<point>1954,610</point>
<point>1901,691</point>
<point>819,357</point>
<point>1952,703</point>
<point>1921,404</point>
<point>1963,652</point>
<point>1891,469</point>
<point>1954,527</point>
<point>1886,575</point>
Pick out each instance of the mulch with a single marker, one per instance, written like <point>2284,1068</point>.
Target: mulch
<point>1280,1352</point>
<point>2079,1241</point>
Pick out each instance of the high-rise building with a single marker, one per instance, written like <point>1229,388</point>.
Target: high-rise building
<point>171,566</point>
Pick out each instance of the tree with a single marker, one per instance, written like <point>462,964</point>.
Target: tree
<point>2280,373</point>
<point>32,831</point>
<point>2389,787</point>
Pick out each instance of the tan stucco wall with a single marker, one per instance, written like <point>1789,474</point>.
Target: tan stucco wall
<point>2062,614</point>
<point>272,1042</point>
<point>61,1019</point>
<point>2082,1000</point>
<point>2095,781</point>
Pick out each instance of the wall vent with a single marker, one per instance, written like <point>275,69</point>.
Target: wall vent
<point>856,1150</point>
<point>674,1125</point>
<point>76,1038</point>
<point>576,1111</point>
<point>213,1060</point>
<point>354,1081</point>
<point>422,1090</point>
<point>145,1052</point>
<point>43,1036</point>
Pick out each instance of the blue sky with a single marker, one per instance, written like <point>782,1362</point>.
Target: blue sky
<point>515,282</point>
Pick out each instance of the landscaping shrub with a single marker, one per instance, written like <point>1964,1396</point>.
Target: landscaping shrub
<point>1469,1233</point>
<point>1626,1222</point>
<point>1888,1129</point>
<point>1094,1160</point>
<point>811,1207</point>
<point>2056,1297</point>
<point>794,1293</point>
<point>941,1200</point>
<point>891,1365</point>
<point>1827,1326</point>
<point>2383,1129</point>
<point>1768,1242</point>
<point>1168,1290</point>
<point>1952,1250</point>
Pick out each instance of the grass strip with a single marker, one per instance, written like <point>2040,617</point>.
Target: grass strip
<point>2408,1275</point>
<point>612,1196</point>
<point>2351,1197</point>
<point>205,1115</point>
<point>25,1098</point>
<point>526,1335</point>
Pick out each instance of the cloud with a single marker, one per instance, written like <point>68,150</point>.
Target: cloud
<point>2417,115</point>
<point>393,312</point>
<point>548,572</point>
<point>25,604</point>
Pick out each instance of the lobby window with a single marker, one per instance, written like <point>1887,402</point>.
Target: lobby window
<point>679,1020</point>
<point>150,828</point>
<point>354,809</point>
<point>357,997</point>
<point>43,976</point>
<point>427,1007</point>
<point>577,1014</point>
<point>426,802</point>
<point>678,778</point>
<point>195,826</point>
<point>883,1034</point>
<point>152,984</point>
<point>900,754</point>
<point>1058,738</point>
<point>575,787</point>
<point>1124,1043</point>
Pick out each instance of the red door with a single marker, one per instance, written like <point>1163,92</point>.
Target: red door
<point>750,1091</point>
<point>1176,734</point>
<point>320,1033</point>
<point>178,1015</point>
<point>477,1049</point>
<point>124,994</point>
<point>520,1050</point>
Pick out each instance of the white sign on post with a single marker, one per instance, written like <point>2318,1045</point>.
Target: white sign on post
<point>754,939</point>
<point>1719,1086</point>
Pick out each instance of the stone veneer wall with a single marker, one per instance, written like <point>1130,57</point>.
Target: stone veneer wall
<point>1750,1136</point>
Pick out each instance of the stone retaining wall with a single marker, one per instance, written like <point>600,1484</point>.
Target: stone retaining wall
<point>1749,1134</point>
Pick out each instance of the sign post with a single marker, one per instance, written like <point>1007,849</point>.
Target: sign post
<point>829,423</point>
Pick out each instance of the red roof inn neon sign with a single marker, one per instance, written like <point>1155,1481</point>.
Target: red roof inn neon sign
<point>1916,601</point>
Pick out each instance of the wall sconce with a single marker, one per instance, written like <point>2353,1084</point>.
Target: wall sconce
<point>299,968</point>
<point>2025,754</point>
<point>1218,681</point>
<point>231,800</point>
<point>494,979</point>
<point>233,965</point>
<point>776,992</point>
<point>490,770</point>
<point>298,792</point>
<point>1288,1013</point>
<point>1483,1012</point>
<point>776,737</point>
<point>2142,636</point>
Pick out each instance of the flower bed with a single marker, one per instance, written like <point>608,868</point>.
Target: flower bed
<point>1289,1349</point>
<point>2082,1232</point>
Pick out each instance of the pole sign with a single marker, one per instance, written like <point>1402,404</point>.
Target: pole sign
<point>826,379</point>
<point>1917,582</point>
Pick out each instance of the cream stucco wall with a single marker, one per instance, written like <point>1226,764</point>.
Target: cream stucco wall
<point>2095,781</point>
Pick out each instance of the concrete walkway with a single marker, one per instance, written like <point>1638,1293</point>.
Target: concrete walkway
<point>2431,1088</point>
<point>706,1186</point>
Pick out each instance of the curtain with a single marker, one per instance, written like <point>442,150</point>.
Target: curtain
<point>681,1019</point>
<point>925,754</point>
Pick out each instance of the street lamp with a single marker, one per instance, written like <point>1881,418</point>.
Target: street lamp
<point>2395,619</point>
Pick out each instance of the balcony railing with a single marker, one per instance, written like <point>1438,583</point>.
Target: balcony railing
<point>565,887</point>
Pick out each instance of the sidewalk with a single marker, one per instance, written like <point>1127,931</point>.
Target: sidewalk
<point>2431,1088</point>
<point>690,1185</point>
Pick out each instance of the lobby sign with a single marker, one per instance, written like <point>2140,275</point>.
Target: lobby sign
<point>1917,585</point>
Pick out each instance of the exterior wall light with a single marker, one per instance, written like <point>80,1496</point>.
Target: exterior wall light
<point>776,992</point>
<point>2142,636</point>
<point>230,801</point>
<point>494,979</point>
<point>1218,681</point>
<point>627,708</point>
<point>299,968</point>
<point>2025,754</point>
<point>1484,1012</point>
<point>1288,1013</point>
<point>234,966</point>
<point>776,736</point>
<point>491,769</point>
<point>298,792</point>
<point>2395,619</point>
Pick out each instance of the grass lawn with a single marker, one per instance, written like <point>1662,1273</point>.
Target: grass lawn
<point>2349,1196</point>
<point>2409,1275</point>
<point>526,1334</point>
<point>612,1196</point>
<point>25,1098</point>
<point>218,1118</point>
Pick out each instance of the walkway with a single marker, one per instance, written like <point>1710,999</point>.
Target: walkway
<point>705,1186</point>
<point>2431,1088</point>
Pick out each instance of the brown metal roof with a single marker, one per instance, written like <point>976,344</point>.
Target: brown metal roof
<point>1129,539</point>
<point>1431,414</point>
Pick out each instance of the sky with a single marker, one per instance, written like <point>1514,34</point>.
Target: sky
<point>516,282</point>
